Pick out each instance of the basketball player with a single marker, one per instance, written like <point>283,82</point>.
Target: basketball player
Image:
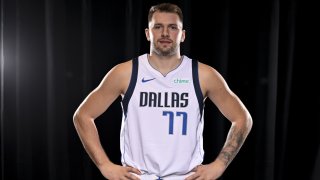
<point>163,96</point>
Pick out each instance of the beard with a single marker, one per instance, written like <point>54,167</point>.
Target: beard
<point>164,51</point>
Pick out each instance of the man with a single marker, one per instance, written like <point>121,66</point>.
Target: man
<point>162,99</point>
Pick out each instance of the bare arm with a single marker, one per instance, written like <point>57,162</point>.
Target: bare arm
<point>234,110</point>
<point>97,102</point>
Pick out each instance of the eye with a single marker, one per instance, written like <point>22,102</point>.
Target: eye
<point>173,27</point>
<point>156,27</point>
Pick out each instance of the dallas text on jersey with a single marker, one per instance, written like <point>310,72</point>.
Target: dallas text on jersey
<point>163,99</point>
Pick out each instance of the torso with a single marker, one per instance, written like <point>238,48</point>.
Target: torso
<point>162,123</point>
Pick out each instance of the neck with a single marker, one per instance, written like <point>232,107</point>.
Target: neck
<point>164,64</point>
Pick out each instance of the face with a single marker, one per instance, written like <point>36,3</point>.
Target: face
<point>165,33</point>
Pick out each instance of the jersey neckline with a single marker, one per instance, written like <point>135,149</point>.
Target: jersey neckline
<point>170,73</point>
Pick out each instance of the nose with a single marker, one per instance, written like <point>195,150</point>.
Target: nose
<point>165,32</point>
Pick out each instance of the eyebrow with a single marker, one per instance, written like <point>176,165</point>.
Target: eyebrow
<point>157,24</point>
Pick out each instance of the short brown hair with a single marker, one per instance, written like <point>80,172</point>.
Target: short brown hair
<point>165,7</point>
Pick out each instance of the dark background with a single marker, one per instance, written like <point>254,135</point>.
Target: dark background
<point>54,52</point>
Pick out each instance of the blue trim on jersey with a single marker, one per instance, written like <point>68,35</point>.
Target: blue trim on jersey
<point>132,84</point>
<point>196,83</point>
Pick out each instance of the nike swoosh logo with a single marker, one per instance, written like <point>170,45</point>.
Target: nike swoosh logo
<point>146,80</point>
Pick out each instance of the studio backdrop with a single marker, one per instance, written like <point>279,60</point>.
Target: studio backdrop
<point>54,52</point>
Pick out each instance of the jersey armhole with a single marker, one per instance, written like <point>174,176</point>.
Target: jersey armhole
<point>196,84</point>
<point>132,84</point>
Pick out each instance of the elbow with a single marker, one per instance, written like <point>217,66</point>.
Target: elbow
<point>249,123</point>
<point>81,119</point>
<point>75,116</point>
<point>78,118</point>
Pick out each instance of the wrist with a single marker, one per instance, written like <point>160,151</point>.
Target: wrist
<point>219,164</point>
<point>104,165</point>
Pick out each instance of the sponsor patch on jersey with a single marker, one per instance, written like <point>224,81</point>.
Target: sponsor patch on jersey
<point>181,81</point>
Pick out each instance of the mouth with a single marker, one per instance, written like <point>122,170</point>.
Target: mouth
<point>165,41</point>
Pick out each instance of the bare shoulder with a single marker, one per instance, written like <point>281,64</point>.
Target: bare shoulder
<point>122,69</point>
<point>207,72</point>
<point>118,77</point>
<point>210,79</point>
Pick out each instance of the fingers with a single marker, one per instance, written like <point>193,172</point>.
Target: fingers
<point>196,173</point>
<point>131,176</point>
<point>133,170</point>
<point>132,173</point>
<point>195,169</point>
<point>193,176</point>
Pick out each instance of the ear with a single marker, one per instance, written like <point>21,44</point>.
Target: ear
<point>183,36</point>
<point>147,34</point>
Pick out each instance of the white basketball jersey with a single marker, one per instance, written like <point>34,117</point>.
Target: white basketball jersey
<point>162,122</point>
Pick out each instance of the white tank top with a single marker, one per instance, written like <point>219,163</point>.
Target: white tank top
<point>162,124</point>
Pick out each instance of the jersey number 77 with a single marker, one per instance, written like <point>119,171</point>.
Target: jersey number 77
<point>172,116</point>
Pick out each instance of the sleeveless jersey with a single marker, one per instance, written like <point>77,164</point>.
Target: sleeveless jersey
<point>162,124</point>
